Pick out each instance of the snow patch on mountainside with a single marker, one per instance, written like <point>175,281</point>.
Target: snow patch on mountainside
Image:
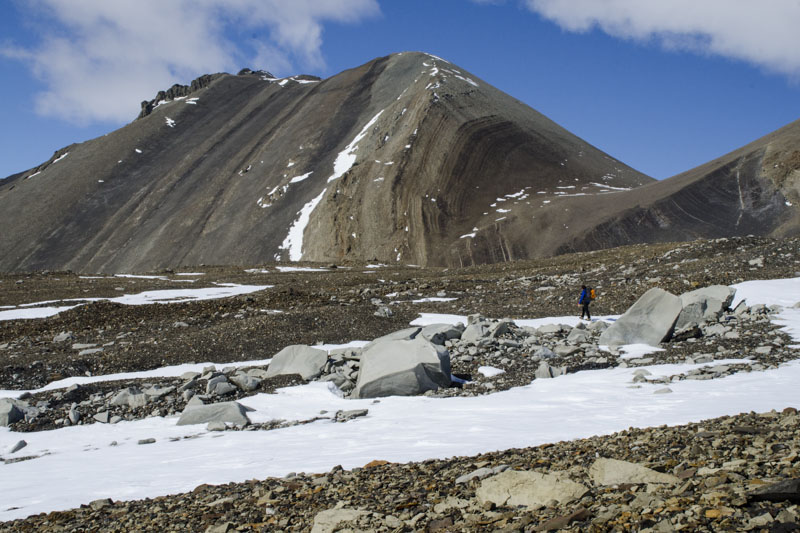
<point>298,179</point>
<point>293,242</point>
<point>347,157</point>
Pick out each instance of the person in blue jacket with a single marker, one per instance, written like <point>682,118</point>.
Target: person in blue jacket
<point>584,300</point>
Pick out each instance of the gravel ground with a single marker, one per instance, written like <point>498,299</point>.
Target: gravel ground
<point>337,306</point>
<point>719,462</point>
<point>718,465</point>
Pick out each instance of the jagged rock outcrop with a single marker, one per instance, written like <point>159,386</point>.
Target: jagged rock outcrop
<point>179,91</point>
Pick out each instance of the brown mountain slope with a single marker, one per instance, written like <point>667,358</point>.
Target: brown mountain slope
<point>752,190</point>
<point>401,159</point>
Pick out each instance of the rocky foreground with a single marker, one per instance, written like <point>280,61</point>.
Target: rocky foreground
<point>698,477</point>
<point>739,473</point>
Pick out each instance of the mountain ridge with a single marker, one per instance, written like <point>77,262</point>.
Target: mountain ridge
<point>405,159</point>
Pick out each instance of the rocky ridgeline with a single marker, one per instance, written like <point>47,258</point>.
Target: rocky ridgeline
<point>738,473</point>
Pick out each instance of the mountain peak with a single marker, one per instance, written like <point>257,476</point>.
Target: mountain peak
<point>408,159</point>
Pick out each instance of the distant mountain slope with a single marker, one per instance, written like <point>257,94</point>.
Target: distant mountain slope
<point>752,190</point>
<point>407,158</point>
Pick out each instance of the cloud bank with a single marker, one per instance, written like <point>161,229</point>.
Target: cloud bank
<point>98,58</point>
<point>761,33</point>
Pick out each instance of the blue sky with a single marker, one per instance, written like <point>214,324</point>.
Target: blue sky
<point>663,86</point>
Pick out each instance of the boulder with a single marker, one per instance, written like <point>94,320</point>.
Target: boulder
<point>546,371</point>
<point>598,326</point>
<point>226,412</point>
<point>500,327</point>
<point>402,368</point>
<point>543,352</point>
<point>194,401</point>
<point>328,521</point>
<point>246,382</point>
<point>258,373</point>
<point>159,391</point>
<point>704,305</point>
<point>222,388</point>
<point>298,359</point>
<point>439,333</point>
<point>481,473</point>
<point>551,329</point>
<point>648,321</point>
<point>131,396</point>
<point>566,350</point>
<point>9,412</point>
<point>784,490</point>
<point>477,330</point>
<point>614,472</point>
<point>513,487</point>
<point>344,416</point>
<point>578,335</point>
<point>403,334</point>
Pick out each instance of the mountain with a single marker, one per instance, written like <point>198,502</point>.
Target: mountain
<point>406,159</point>
<point>395,160</point>
<point>753,190</point>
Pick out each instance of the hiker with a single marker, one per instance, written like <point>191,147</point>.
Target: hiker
<point>584,300</point>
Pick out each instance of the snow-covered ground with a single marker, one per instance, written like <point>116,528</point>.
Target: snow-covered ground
<point>220,290</point>
<point>83,463</point>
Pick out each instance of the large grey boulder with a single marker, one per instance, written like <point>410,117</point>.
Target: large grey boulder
<point>648,321</point>
<point>298,359</point>
<point>9,412</point>
<point>402,368</point>
<point>226,412</point>
<point>513,487</point>
<point>614,472</point>
<point>704,305</point>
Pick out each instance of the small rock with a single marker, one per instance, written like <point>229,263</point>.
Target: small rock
<point>101,503</point>
<point>64,336</point>
<point>220,528</point>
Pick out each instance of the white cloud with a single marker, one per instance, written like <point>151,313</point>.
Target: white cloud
<point>761,33</point>
<point>98,58</point>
